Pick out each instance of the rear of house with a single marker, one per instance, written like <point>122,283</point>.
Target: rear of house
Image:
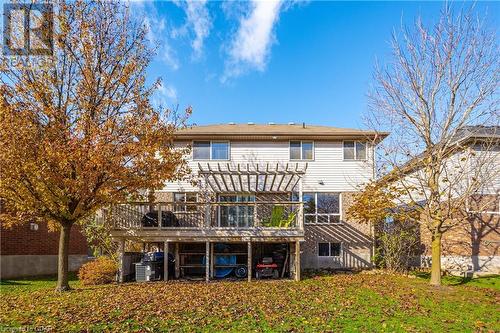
<point>259,197</point>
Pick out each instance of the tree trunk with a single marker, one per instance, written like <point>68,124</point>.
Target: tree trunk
<point>62,265</point>
<point>436,260</point>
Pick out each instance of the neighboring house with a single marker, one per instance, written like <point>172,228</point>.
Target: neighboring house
<point>258,191</point>
<point>30,249</point>
<point>471,242</point>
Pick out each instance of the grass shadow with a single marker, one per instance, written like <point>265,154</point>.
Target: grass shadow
<point>34,282</point>
<point>487,281</point>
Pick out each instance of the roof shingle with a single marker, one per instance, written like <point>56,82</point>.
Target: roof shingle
<point>275,131</point>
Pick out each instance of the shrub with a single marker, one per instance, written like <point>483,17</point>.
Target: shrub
<point>100,271</point>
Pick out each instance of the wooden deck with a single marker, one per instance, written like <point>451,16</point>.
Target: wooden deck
<point>262,221</point>
<point>212,234</point>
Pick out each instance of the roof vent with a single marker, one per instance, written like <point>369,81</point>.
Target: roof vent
<point>232,123</point>
<point>250,123</point>
<point>271,123</point>
<point>291,123</point>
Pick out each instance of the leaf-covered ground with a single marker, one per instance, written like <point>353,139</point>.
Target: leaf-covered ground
<point>359,302</point>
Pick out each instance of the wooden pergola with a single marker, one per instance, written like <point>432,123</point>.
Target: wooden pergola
<point>252,179</point>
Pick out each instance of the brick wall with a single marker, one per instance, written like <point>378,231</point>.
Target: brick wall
<point>475,235</point>
<point>20,240</point>
<point>355,238</point>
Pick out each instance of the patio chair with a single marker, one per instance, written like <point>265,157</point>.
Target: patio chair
<point>286,223</point>
<point>276,217</point>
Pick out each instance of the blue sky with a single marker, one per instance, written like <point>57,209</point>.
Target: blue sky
<point>276,61</point>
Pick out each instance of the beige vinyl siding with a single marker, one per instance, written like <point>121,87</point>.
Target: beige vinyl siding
<point>328,172</point>
<point>456,175</point>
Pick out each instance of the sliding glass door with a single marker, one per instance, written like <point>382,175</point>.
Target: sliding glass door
<point>236,216</point>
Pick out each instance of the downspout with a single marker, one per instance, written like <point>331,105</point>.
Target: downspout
<point>372,226</point>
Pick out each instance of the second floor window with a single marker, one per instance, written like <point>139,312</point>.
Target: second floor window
<point>301,150</point>
<point>211,150</point>
<point>354,150</point>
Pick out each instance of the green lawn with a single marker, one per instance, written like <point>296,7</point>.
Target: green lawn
<point>348,303</point>
<point>491,281</point>
<point>34,283</point>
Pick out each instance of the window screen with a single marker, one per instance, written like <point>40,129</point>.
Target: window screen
<point>201,150</point>
<point>220,150</point>
<point>307,150</point>
<point>360,151</point>
<point>295,150</point>
<point>348,150</point>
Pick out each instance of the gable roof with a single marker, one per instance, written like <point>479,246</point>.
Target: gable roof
<point>464,137</point>
<point>252,131</point>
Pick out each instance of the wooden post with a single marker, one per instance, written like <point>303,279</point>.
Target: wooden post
<point>207,261</point>
<point>207,215</point>
<point>165,260</point>
<point>255,216</point>
<point>159,216</point>
<point>249,261</point>
<point>212,261</point>
<point>121,255</point>
<point>297,260</point>
<point>300,219</point>
<point>207,221</point>
<point>177,261</point>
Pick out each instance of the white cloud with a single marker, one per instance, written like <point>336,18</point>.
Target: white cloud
<point>157,33</point>
<point>198,21</point>
<point>168,91</point>
<point>250,47</point>
<point>169,57</point>
<point>164,96</point>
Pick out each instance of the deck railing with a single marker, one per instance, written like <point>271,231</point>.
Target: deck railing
<point>189,215</point>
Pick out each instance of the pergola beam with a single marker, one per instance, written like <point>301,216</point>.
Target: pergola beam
<point>278,176</point>
<point>232,181</point>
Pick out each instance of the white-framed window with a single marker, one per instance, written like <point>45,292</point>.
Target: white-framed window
<point>322,207</point>
<point>301,150</point>
<point>355,150</point>
<point>329,249</point>
<point>211,150</point>
<point>185,197</point>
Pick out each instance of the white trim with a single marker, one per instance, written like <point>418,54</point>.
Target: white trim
<point>180,203</point>
<point>210,150</point>
<point>355,154</point>
<point>316,214</point>
<point>301,157</point>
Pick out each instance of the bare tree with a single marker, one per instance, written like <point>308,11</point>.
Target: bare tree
<point>442,80</point>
